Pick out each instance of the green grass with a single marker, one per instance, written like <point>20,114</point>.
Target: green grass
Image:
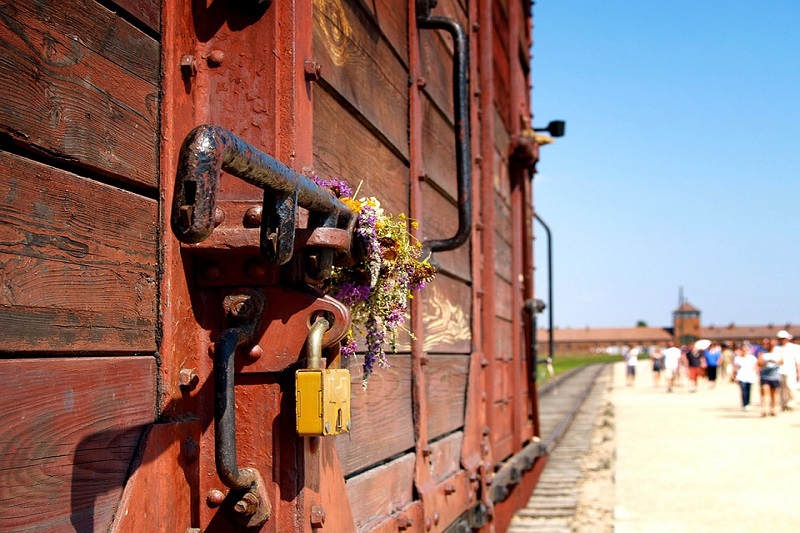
<point>568,361</point>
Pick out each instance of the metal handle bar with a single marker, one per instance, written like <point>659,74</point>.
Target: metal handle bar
<point>209,150</point>
<point>461,112</point>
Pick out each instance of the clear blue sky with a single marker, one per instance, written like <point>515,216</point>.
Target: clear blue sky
<point>681,160</point>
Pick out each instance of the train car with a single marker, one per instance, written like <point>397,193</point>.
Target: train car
<point>167,240</point>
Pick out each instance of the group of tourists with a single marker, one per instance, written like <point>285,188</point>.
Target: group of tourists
<point>773,365</point>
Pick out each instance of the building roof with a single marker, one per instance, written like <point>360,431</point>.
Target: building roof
<point>733,332</point>
<point>607,335</point>
<point>686,307</point>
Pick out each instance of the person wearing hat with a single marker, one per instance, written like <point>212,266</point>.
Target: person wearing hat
<point>790,353</point>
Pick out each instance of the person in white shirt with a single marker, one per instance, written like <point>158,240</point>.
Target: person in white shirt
<point>672,358</point>
<point>744,368</point>
<point>788,370</point>
<point>632,359</point>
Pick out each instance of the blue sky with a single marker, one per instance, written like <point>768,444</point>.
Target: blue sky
<point>681,160</point>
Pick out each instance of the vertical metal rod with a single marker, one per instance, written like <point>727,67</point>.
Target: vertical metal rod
<point>549,282</point>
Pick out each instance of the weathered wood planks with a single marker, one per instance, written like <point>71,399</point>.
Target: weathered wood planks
<point>81,90</point>
<point>70,430</point>
<point>77,263</point>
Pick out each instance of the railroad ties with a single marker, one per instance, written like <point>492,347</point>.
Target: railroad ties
<point>568,411</point>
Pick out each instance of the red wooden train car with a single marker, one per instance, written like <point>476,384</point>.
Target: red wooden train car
<point>162,249</point>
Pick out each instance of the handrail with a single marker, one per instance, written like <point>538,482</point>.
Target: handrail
<point>549,283</point>
<point>461,116</point>
<point>209,150</point>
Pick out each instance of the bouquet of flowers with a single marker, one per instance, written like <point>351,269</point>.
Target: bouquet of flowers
<point>377,289</point>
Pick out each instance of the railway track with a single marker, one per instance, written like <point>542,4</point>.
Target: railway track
<point>568,410</point>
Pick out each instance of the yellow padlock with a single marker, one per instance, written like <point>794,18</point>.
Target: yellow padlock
<point>323,394</point>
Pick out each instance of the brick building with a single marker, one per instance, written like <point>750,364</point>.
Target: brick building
<point>686,328</point>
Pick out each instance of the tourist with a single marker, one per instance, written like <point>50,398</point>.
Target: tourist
<point>769,362</point>
<point>695,360</point>
<point>788,371</point>
<point>726,365</point>
<point>631,360</point>
<point>657,355</point>
<point>672,358</point>
<point>744,372</point>
<point>713,356</point>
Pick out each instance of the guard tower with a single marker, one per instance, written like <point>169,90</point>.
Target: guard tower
<point>686,321</point>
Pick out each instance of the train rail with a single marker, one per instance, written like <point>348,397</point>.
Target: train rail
<point>568,411</point>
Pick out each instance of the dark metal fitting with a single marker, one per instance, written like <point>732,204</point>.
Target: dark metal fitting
<point>449,489</point>
<point>428,523</point>
<point>212,272</point>
<point>476,26</point>
<point>247,505</point>
<point>252,217</point>
<point>436,518</point>
<point>215,58</point>
<point>215,497</point>
<point>473,477</point>
<point>317,516</point>
<point>188,66</point>
<point>484,362</point>
<point>478,159</point>
<point>421,82</point>
<point>219,216</point>
<point>427,451</point>
<point>403,521</point>
<point>188,379</point>
<point>424,360</point>
<point>256,269</point>
<point>255,352</point>
<point>486,430</point>
<point>191,450</point>
<point>240,306</point>
<point>312,69</point>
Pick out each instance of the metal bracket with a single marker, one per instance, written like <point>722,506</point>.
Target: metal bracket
<point>209,150</point>
<point>462,129</point>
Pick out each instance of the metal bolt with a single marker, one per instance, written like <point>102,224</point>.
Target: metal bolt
<point>188,66</point>
<point>428,523</point>
<point>212,272</point>
<point>421,82</point>
<point>219,216</point>
<point>486,430</point>
<point>215,498</point>
<point>424,360</point>
<point>191,450</point>
<point>436,518</point>
<point>473,477</point>
<point>317,516</point>
<point>248,505</point>
<point>215,58</point>
<point>403,521</point>
<point>187,379</point>
<point>427,451</point>
<point>257,269</point>
<point>449,489</point>
<point>255,352</point>
<point>484,363</point>
<point>312,69</point>
<point>476,26</point>
<point>347,425</point>
<point>252,217</point>
<point>327,427</point>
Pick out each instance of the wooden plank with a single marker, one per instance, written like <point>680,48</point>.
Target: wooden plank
<point>502,259</point>
<point>377,493</point>
<point>101,31</point>
<point>148,12</point>
<point>381,417</point>
<point>504,333</point>
<point>77,262</point>
<point>362,157</point>
<point>71,427</point>
<point>446,456</point>
<point>63,100</point>
<point>360,66</point>
<point>393,23</point>
<point>502,435</point>
<point>440,221</point>
<point>438,149</point>
<point>447,316</point>
<point>446,388</point>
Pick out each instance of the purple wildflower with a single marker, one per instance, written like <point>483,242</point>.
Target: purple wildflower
<point>350,293</point>
<point>339,187</point>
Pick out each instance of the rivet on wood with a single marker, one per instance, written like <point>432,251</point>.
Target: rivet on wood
<point>421,82</point>
<point>317,516</point>
<point>436,518</point>
<point>486,430</point>
<point>215,58</point>
<point>484,363</point>
<point>449,489</point>
<point>427,450</point>
<point>215,498</point>
<point>255,352</point>
<point>424,360</point>
<point>403,521</point>
<point>312,69</point>
<point>476,26</point>
<point>428,523</point>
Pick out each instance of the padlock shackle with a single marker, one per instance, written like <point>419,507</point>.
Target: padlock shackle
<point>314,342</point>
